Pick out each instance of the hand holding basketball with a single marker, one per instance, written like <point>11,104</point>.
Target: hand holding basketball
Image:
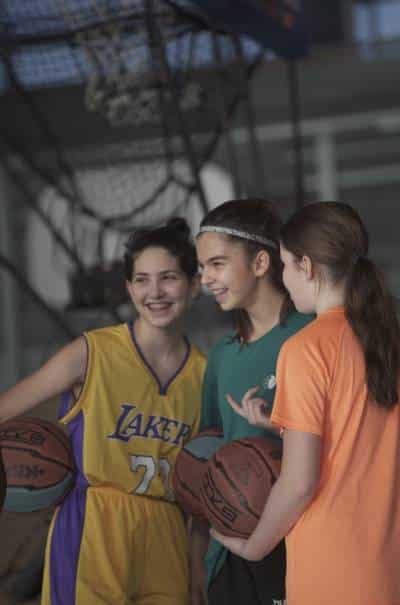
<point>253,409</point>
<point>236,545</point>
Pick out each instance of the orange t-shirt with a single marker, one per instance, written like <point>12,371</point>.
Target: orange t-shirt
<point>345,548</point>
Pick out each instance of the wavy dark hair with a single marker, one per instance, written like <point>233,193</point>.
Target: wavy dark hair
<point>332,234</point>
<point>258,217</point>
<point>174,237</point>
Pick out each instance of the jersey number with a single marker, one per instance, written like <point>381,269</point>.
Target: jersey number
<point>150,471</point>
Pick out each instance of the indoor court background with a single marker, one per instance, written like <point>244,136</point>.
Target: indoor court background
<point>121,113</point>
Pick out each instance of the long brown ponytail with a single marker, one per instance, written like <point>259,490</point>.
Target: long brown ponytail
<point>331,234</point>
<point>371,312</point>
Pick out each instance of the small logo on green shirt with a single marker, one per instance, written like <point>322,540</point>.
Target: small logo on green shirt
<point>269,382</point>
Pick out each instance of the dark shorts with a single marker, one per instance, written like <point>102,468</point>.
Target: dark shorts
<point>251,582</point>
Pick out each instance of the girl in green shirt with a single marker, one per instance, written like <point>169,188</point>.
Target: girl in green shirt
<point>238,251</point>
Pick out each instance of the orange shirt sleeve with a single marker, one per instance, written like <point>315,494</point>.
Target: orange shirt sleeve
<point>302,386</point>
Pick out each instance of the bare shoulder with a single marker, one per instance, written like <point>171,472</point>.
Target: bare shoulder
<point>73,357</point>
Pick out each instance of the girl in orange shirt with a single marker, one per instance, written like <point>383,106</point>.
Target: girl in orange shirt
<point>337,498</point>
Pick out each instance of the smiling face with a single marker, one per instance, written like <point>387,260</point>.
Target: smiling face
<point>299,279</point>
<point>226,270</point>
<point>159,289</point>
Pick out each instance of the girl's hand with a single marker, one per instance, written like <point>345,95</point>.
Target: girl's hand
<point>254,409</point>
<point>235,545</point>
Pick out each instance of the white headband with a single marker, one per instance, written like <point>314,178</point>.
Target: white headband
<point>237,233</point>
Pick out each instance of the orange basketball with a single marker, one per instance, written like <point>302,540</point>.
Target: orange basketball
<point>190,465</point>
<point>237,482</point>
<point>38,463</point>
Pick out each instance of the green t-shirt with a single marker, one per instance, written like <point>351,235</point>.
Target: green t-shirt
<point>234,369</point>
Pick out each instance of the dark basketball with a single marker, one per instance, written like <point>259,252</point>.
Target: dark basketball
<point>189,468</point>
<point>38,463</point>
<point>237,482</point>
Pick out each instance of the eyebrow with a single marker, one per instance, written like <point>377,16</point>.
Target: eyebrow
<point>164,272</point>
<point>212,259</point>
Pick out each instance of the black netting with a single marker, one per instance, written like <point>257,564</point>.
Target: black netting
<point>52,43</point>
<point>171,81</point>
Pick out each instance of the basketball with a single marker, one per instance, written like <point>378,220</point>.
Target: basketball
<point>38,464</point>
<point>190,465</point>
<point>237,482</point>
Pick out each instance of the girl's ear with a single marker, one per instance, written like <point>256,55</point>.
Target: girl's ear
<point>307,266</point>
<point>261,263</point>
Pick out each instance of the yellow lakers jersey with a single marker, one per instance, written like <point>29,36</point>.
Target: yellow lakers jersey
<point>126,429</point>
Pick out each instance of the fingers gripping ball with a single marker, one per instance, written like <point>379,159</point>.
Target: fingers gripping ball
<point>38,463</point>
<point>237,483</point>
<point>190,465</point>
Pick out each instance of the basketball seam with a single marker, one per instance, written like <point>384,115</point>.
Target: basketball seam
<point>260,455</point>
<point>32,488</point>
<point>36,454</point>
<point>183,483</point>
<point>195,457</point>
<point>242,498</point>
<point>205,503</point>
<point>47,426</point>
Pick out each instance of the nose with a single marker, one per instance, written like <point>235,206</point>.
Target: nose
<point>155,290</point>
<point>206,277</point>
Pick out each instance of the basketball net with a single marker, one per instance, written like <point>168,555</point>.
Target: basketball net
<point>122,82</point>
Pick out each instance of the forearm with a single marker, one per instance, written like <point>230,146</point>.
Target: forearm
<point>22,397</point>
<point>283,508</point>
<point>63,371</point>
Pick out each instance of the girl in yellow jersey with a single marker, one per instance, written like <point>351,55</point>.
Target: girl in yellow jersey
<point>133,399</point>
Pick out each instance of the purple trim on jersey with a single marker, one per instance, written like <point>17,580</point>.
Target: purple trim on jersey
<point>68,527</point>
<point>162,388</point>
<point>76,428</point>
<point>66,401</point>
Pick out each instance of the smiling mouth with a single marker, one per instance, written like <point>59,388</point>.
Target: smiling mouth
<point>159,306</point>
<point>219,292</point>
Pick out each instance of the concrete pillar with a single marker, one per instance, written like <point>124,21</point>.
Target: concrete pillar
<point>326,183</point>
